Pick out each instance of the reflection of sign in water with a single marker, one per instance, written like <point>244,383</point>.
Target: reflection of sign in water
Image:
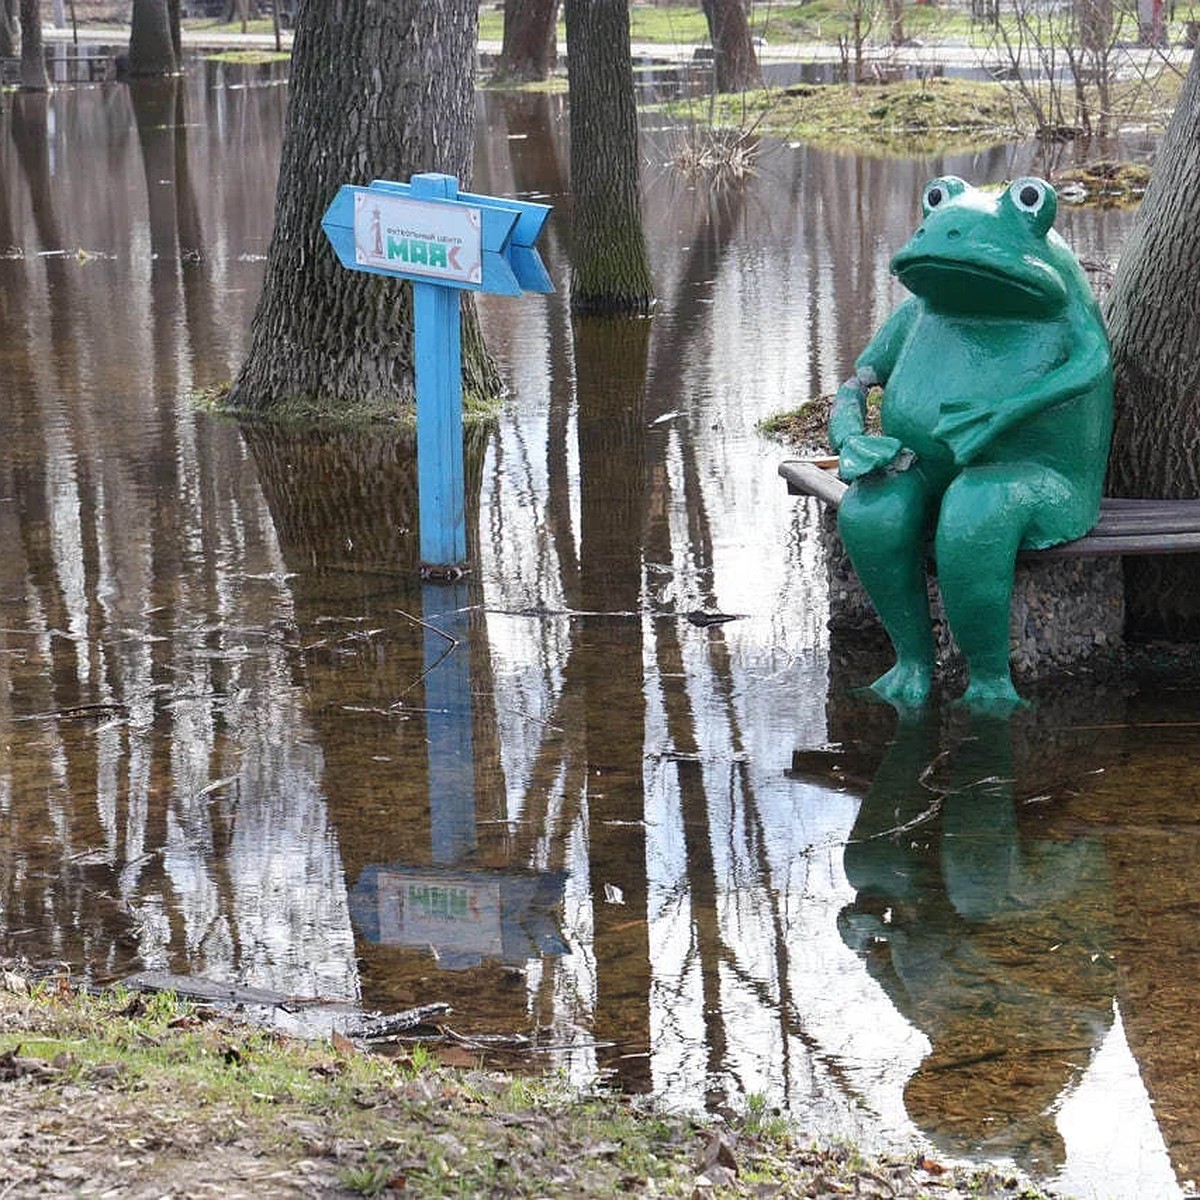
<point>452,914</point>
<point>441,241</point>
<point>463,916</point>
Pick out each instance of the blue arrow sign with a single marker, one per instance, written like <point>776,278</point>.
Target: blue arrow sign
<point>378,228</point>
<point>444,241</point>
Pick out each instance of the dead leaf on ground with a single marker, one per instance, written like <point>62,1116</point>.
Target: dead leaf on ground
<point>457,1056</point>
<point>14,1065</point>
<point>17,984</point>
<point>106,1072</point>
<point>719,1151</point>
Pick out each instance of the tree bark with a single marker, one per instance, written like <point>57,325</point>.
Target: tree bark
<point>8,28</point>
<point>323,336</point>
<point>173,23</point>
<point>151,50</point>
<point>529,50</point>
<point>734,61</point>
<point>1153,316</point>
<point>33,58</point>
<point>610,270</point>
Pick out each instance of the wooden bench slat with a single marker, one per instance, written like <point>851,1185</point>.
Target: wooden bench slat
<point>1126,525</point>
<point>1115,523</point>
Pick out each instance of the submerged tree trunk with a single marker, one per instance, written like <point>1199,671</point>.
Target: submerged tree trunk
<point>33,58</point>
<point>530,46</point>
<point>610,270</point>
<point>323,336</point>
<point>1154,322</point>
<point>734,60</point>
<point>151,49</point>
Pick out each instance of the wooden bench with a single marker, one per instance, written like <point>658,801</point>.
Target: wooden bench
<point>1125,526</point>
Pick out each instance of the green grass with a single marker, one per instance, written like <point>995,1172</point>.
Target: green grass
<point>777,24</point>
<point>194,1086</point>
<point>910,117</point>
<point>256,25</point>
<point>250,58</point>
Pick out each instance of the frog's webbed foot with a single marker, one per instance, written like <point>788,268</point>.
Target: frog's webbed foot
<point>992,696</point>
<point>906,685</point>
<point>966,426</point>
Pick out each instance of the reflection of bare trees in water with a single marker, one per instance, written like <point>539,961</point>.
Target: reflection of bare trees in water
<point>150,804</point>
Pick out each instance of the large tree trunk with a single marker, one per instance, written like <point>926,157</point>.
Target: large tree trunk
<point>33,58</point>
<point>1154,322</point>
<point>529,50</point>
<point>8,28</point>
<point>325,337</point>
<point>734,60</point>
<point>151,49</point>
<point>173,19</point>
<point>610,270</point>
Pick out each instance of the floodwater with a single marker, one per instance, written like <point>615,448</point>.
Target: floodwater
<point>243,741</point>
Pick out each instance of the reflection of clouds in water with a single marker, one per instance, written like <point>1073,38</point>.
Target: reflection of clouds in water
<point>1108,1125</point>
<point>574,974</point>
<point>286,874</point>
<point>269,908</point>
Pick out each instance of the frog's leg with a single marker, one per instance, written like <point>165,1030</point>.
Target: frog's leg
<point>986,514</point>
<point>884,520</point>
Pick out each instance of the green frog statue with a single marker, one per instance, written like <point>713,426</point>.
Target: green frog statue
<point>997,416</point>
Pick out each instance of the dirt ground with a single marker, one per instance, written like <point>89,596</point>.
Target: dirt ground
<point>125,1094</point>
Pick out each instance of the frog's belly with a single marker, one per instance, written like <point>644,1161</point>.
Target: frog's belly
<point>946,359</point>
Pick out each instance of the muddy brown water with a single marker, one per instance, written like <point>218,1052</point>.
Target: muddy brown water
<point>243,741</point>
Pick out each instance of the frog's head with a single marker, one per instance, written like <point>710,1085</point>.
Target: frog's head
<point>988,253</point>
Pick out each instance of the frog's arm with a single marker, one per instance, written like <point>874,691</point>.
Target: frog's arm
<point>873,366</point>
<point>968,425</point>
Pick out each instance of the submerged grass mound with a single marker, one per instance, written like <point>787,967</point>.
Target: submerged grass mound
<point>120,1093</point>
<point>251,58</point>
<point>909,117</point>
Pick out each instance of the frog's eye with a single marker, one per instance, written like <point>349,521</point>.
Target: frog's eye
<point>941,191</point>
<point>1036,198</point>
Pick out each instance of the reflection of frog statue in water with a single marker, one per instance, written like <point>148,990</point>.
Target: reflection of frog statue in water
<point>991,941</point>
<point>997,413</point>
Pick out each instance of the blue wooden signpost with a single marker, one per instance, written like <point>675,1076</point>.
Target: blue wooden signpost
<point>444,241</point>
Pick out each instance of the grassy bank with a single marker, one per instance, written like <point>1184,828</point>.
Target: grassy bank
<point>125,1094</point>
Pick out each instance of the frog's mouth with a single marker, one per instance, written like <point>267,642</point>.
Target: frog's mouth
<point>968,285</point>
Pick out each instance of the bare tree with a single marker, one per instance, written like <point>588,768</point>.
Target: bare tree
<point>734,60</point>
<point>529,50</point>
<point>8,28</point>
<point>1060,62</point>
<point>610,269</point>
<point>324,337</point>
<point>151,48</point>
<point>33,58</point>
<point>1153,314</point>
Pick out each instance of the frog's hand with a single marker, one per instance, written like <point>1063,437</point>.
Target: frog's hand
<point>863,453</point>
<point>966,426</point>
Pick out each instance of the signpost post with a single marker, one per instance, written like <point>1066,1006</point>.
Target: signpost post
<point>444,241</point>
